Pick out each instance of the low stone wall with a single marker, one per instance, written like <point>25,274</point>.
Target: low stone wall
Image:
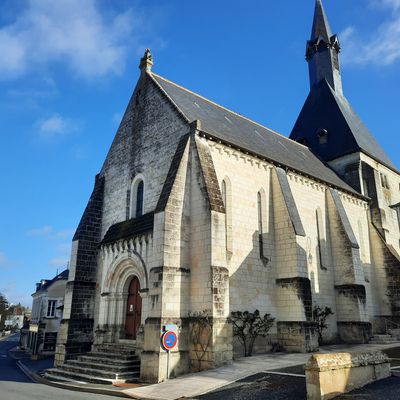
<point>329,375</point>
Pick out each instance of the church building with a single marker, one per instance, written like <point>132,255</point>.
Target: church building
<point>199,208</point>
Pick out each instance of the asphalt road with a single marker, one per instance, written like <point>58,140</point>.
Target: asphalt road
<point>15,385</point>
<point>282,387</point>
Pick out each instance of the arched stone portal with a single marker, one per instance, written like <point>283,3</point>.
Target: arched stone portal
<point>123,300</point>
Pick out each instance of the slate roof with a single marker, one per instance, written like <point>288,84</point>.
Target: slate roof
<point>46,283</point>
<point>129,228</point>
<point>239,131</point>
<point>325,109</point>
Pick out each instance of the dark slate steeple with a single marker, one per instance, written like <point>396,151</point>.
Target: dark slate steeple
<point>327,123</point>
<point>322,52</point>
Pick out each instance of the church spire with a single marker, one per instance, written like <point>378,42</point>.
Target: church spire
<point>320,26</point>
<point>322,52</point>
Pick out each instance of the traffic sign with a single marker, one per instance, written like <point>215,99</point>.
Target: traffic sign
<point>169,340</point>
<point>171,327</point>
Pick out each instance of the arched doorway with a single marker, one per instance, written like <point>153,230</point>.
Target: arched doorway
<point>133,309</point>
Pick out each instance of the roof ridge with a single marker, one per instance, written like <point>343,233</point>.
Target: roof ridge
<point>341,102</point>
<point>150,74</point>
<point>226,109</point>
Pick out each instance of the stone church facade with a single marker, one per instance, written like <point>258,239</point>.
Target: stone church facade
<point>199,208</point>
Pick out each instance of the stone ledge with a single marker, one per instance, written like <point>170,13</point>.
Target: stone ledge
<point>330,375</point>
<point>328,362</point>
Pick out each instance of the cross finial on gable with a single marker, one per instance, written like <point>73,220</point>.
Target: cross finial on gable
<point>146,62</point>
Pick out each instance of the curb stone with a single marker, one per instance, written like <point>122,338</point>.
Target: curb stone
<point>39,379</point>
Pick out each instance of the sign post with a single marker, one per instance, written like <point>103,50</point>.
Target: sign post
<point>169,340</point>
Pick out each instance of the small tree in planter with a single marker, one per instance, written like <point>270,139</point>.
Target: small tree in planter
<point>320,315</point>
<point>248,326</point>
<point>200,334</point>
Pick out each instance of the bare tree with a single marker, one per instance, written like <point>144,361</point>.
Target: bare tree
<point>248,326</point>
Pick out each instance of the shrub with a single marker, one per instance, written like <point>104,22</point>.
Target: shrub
<point>248,326</point>
<point>320,315</point>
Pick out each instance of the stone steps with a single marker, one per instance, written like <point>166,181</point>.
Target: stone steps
<point>89,358</point>
<point>103,374</point>
<point>113,350</point>
<point>57,373</point>
<point>382,339</point>
<point>395,333</point>
<point>115,366</point>
<point>105,364</point>
<point>120,356</point>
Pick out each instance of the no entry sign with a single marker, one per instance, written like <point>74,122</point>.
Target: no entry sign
<point>169,340</point>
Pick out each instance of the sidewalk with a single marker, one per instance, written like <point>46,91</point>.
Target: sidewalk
<point>6,336</point>
<point>192,385</point>
<point>196,384</point>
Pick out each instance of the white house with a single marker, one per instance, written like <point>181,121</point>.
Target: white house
<point>47,305</point>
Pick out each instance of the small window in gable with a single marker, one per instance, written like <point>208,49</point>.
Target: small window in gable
<point>137,198</point>
<point>322,136</point>
<point>138,97</point>
<point>384,181</point>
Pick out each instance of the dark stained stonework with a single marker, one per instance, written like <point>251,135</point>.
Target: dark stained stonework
<point>290,203</point>
<point>130,228</point>
<point>302,286</point>
<point>344,219</point>
<point>371,179</point>
<point>356,292</point>
<point>173,170</point>
<point>298,336</point>
<point>392,267</point>
<point>355,332</point>
<point>210,177</point>
<point>83,287</point>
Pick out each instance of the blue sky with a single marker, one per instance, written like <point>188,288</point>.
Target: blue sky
<point>68,67</point>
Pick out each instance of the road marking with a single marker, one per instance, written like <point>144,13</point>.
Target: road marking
<point>284,373</point>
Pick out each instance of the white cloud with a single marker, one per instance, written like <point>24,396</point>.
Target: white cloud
<point>5,262</point>
<point>382,48</point>
<point>77,32</point>
<point>59,262</point>
<point>117,117</point>
<point>3,259</point>
<point>49,232</point>
<point>65,234</point>
<point>395,4</point>
<point>64,248</point>
<point>42,231</point>
<point>55,125</point>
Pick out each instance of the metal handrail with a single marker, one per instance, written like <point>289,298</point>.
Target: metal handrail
<point>397,326</point>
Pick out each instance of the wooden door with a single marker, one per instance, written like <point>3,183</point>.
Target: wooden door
<point>133,309</point>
